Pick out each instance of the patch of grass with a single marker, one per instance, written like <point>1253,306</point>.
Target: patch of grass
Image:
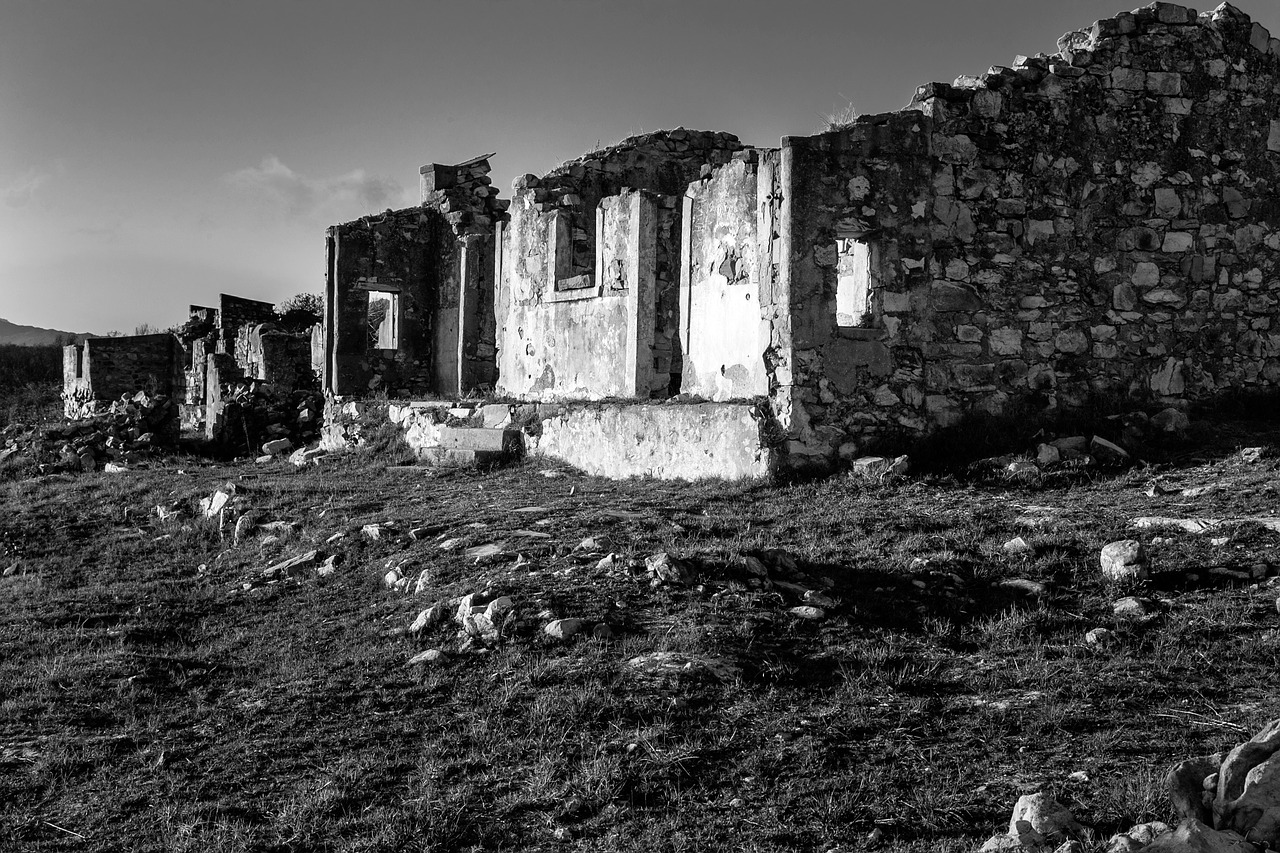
<point>157,692</point>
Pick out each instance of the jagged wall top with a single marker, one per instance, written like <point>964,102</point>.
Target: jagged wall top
<point>1079,49</point>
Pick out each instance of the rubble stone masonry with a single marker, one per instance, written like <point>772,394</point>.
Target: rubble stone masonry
<point>1100,222</point>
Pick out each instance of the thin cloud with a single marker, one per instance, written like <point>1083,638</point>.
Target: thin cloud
<point>21,189</point>
<point>299,195</point>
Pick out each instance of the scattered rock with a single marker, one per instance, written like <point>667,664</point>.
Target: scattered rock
<point>1253,455</point>
<point>276,447</point>
<point>562,629</point>
<point>293,567</point>
<point>805,611</point>
<point>329,566</point>
<point>666,568</point>
<point>1124,560</point>
<point>880,468</point>
<point>1100,637</point>
<point>433,615</point>
<point>1248,795</point>
<point>1021,468</point>
<point>1131,607</point>
<point>595,545</point>
<point>1186,786</point>
<point>1046,816</point>
<point>1024,585</point>
<point>215,503</point>
<point>1192,836</point>
<point>244,526</point>
<point>392,579</point>
<point>304,456</point>
<point>1171,421</point>
<point>429,656</point>
<point>1047,454</point>
<point>1017,545</point>
<point>679,664</point>
<point>1108,451</point>
<point>486,551</point>
<point>817,599</point>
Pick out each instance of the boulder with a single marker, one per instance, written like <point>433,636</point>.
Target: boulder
<point>1193,836</point>
<point>1052,820</point>
<point>1171,421</point>
<point>1186,787</point>
<point>1248,796</point>
<point>1124,560</point>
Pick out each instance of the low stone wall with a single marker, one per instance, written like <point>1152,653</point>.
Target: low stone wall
<point>670,442</point>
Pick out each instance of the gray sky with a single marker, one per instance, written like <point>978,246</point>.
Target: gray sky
<point>154,153</point>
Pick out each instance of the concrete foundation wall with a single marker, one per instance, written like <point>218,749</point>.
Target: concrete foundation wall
<point>685,442</point>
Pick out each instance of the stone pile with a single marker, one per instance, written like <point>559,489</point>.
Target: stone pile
<point>253,414</point>
<point>118,434</point>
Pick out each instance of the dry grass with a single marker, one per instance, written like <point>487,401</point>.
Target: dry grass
<point>148,701</point>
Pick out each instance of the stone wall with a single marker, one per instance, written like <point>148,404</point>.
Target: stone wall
<point>234,313</point>
<point>432,267</point>
<point>104,369</point>
<point>1072,228</point>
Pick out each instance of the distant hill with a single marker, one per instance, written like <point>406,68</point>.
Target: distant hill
<point>34,336</point>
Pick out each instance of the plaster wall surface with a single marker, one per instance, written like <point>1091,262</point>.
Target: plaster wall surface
<point>689,442</point>
<point>593,340</point>
<point>554,245</point>
<point>726,285</point>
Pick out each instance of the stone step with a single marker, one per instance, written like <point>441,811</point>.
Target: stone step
<point>509,441</point>
<point>443,457</point>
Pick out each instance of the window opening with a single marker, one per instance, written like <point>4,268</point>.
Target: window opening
<point>384,320</point>
<point>853,282</point>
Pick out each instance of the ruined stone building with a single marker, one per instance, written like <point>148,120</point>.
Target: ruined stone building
<point>218,349</point>
<point>1096,225</point>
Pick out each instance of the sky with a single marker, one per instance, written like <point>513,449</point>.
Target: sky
<point>156,153</point>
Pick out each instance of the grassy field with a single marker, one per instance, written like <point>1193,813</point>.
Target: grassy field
<point>158,692</point>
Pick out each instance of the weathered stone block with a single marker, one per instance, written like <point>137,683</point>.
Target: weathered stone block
<point>491,440</point>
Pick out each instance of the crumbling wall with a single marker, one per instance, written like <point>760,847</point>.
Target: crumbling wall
<point>103,370</point>
<point>432,267</point>
<point>550,250</point>
<point>727,279</point>
<point>235,313</point>
<point>1100,222</point>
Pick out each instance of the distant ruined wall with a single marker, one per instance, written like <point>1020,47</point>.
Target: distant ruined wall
<point>104,369</point>
<point>1100,222</point>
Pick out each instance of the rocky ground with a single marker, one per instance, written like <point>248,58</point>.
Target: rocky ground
<point>345,655</point>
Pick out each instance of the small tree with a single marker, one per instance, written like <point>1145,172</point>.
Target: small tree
<point>301,311</point>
